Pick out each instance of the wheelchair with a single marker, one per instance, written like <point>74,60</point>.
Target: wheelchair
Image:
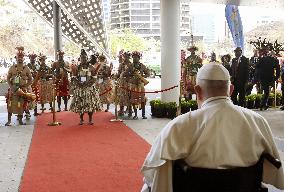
<point>239,179</point>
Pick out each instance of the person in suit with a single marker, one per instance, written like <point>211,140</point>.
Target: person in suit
<point>269,71</point>
<point>282,84</point>
<point>239,77</point>
<point>253,74</point>
<point>226,62</point>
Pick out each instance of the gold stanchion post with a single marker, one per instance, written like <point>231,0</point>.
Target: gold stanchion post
<point>115,105</point>
<point>275,99</point>
<point>180,96</point>
<point>54,122</point>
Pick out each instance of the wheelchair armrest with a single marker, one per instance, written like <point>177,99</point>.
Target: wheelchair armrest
<point>182,165</point>
<point>272,160</point>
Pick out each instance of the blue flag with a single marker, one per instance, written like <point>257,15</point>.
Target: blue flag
<point>235,25</point>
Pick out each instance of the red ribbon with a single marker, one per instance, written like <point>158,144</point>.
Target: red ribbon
<point>163,90</point>
<point>105,92</point>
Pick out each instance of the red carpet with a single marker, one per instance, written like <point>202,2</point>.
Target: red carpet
<point>105,157</point>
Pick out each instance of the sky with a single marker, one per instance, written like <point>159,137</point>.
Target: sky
<point>249,15</point>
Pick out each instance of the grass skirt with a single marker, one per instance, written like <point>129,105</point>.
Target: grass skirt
<point>106,98</point>
<point>85,99</point>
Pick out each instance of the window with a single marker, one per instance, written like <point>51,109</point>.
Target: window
<point>156,12</point>
<point>186,26</point>
<point>143,31</point>
<point>156,18</point>
<point>124,6</point>
<point>156,31</point>
<point>140,25</point>
<point>125,12</point>
<point>140,18</point>
<point>156,25</point>
<point>156,5</point>
<point>125,19</point>
<point>140,12</point>
<point>140,5</point>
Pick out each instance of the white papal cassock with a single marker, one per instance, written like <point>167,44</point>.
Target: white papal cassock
<point>218,135</point>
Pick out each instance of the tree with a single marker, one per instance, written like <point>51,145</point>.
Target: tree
<point>10,37</point>
<point>71,49</point>
<point>4,3</point>
<point>126,39</point>
<point>152,44</point>
<point>22,31</point>
<point>15,34</point>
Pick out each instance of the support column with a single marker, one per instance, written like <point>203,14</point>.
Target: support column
<point>57,28</point>
<point>170,49</point>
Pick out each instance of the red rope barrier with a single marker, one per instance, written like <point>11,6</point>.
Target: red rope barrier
<point>105,92</point>
<point>163,90</point>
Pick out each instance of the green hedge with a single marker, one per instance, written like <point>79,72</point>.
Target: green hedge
<point>169,110</point>
<point>253,101</point>
<point>156,68</point>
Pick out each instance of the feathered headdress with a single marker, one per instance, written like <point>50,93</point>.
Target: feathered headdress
<point>136,54</point>
<point>127,54</point>
<point>83,52</point>
<point>120,53</point>
<point>102,57</point>
<point>32,56</point>
<point>59,52</point>
<point>20,52</point>
<point>41,57</point>
<point>192,48</point>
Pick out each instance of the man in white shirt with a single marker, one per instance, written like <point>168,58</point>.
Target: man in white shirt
<point>217,135</point>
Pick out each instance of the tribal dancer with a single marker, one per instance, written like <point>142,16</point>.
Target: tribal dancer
<point>60,69</point>
<point>85,94</point>
<point>136,74</point>
<point>44,81</point>
<point>192,63</point>
<point>19,79</point>
<point>33,68</point>
<point>123,82</point>
<point>105,82</point>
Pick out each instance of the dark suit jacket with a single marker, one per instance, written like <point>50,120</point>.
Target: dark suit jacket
<point>266,67</point>
<point>282,73</point>
<point>239,72</point>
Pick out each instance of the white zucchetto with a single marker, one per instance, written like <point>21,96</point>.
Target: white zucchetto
<point>213,71</point>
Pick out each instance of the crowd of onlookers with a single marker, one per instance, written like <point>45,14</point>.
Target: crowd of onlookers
<point>262,70</point>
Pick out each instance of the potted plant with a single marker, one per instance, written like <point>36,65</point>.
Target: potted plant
<point>171,108</point>
<point>185,106</point>
<point>257,101</point>
<point>152,104</point>
<point>271,99</point>
<point>193,105</point>
<point>278,99</point>
<point>160,109</point>
<point>250,101</point>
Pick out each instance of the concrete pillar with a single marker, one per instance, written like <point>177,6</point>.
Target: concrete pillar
<point>170,49</point>
<point>57,28</point>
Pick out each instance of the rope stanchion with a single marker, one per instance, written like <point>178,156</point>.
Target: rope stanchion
<point>179,99</point>
<point>115,105</point>
<point>275,99</point>
<point>105,92</point>
<point>159,91</point>
<point>54,122</point>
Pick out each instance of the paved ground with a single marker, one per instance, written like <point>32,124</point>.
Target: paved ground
<point>15,140</point>
<point>14,146</point>
<point>3,89</point>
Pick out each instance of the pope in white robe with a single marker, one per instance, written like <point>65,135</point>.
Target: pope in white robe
<point>218,135</point>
